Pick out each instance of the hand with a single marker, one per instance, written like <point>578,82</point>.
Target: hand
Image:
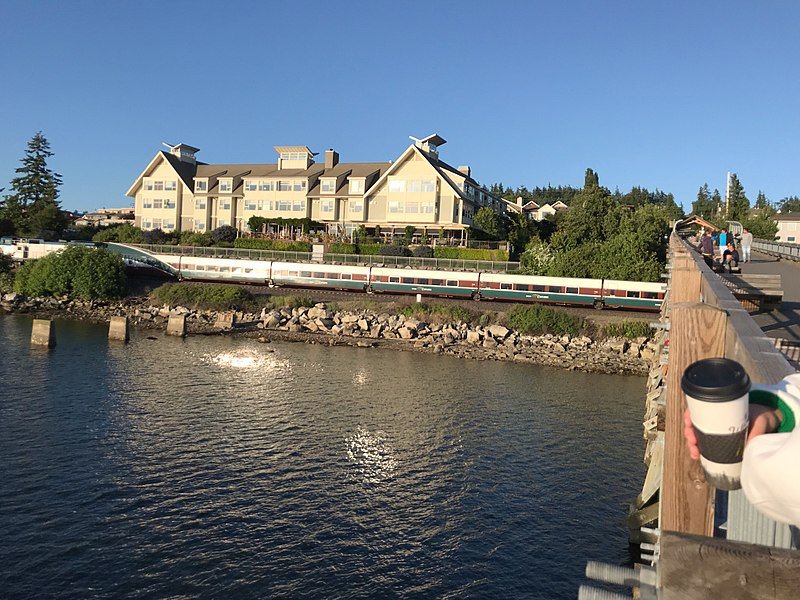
<point>763,419</point>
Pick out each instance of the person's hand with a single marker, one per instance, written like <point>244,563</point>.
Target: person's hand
<point>763,419</point>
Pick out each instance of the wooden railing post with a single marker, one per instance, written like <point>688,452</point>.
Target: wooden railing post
<point>697,331</point>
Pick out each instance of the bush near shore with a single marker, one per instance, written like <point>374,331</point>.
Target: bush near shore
<point>77,272</point>
<point>536,319</point>
<point>211,296</point>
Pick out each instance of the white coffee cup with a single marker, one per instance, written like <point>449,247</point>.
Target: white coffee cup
<point>717,395</point>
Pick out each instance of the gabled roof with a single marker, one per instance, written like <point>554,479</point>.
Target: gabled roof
<point>792,216</point>
<point>352,170</point>
<point>306,149</point>
<point>184,170</point>
<point>403,157</point>
<point>530,205</point>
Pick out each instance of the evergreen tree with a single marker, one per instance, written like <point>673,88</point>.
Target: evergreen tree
<point>738,204</point>
<point>33,205</point>
<point>705,206</point>
<point>790,204</point>
<point>716,201</point>
<point>762,203</point>
<point>591,179</point>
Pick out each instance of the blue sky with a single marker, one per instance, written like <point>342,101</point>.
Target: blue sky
<point>666,95</point>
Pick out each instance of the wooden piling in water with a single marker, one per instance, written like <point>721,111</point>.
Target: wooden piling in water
<point>225,320</point>
<point>43,333</point>
<point>118,329</point>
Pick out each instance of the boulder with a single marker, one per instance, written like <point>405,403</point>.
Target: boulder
<point>498,332</point>
<point>405,333</point>
<point>473,337</point>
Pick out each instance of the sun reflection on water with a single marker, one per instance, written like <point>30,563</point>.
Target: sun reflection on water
<point>246,359</point>
<point>372,455</point>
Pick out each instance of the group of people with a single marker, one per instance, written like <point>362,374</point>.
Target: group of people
<point>725,245</point>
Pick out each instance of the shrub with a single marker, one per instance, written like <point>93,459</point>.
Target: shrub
<point>124,234</point>
<point>369,249</point>
<point>155,236</point>
<point>204,296</point>
<point>343,248</point>
<point>290,301</point>
<point>5,263</point>
<point>195,238</point>
<point>408,233</point>
<point>470,253</point>
<point>536,319</point>
<point>392,250</point>
<point>359,234</point>
<point>423,252</point>
<point>284,245</point>
<point>536,259</point>
<point>441,313</point>
<point>628,329</point>
<point>75,271</point>
<point>225,233</point>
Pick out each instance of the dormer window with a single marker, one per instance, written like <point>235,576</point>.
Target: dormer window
<point>356,186</point>
<point>328,186</point>
<point>225,185</point>
<point>201,186</point>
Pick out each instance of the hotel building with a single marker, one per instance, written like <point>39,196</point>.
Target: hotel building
<point>177,192</point>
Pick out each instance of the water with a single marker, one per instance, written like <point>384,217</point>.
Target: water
<point>208,467</point>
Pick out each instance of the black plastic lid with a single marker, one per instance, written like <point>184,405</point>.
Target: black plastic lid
<point>715,380</point>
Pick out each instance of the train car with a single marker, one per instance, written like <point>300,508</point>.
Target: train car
<point>219,269</point>
<point>316,275</point>
<point>531,288</point>
<point>640,295</point>
<point>423,281</point>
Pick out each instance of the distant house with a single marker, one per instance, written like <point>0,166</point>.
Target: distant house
<point>103,217</point>
<point>788,227</point>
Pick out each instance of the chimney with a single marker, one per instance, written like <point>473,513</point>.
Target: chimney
<point>331,158</point>
<point>519,201</point>
<point>464,169</point>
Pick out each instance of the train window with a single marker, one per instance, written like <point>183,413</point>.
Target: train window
<point>345,276</point>
<point>332,275</point>
<point>610,292</point>
<point>437,282</point>
<point>554,288</point>
<point>199,268</point>
<point>452,283</point>
<point>632,294</point>
<point>571,290</point>
<point>236,269</point>
<point>305,273</point>
<point>650,295</point>
<point>423,281</point>
<point>505,286</point>
<point>394,280</point>
<point>538,288</point>
<point>246,270</point>
<point>294,273</point>
<point>319,275</point>
<point>224,269</point>
<point>408,280</point>
<point>188,267</point>
<point>521,287</point>
<point>213,268</point>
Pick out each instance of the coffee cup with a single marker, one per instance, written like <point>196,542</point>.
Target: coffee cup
<point>717,396</point>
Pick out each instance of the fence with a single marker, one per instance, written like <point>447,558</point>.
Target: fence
<point>779,249</point>
<point>445,264</point>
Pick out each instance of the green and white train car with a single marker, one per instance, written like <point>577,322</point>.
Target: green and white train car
<point>528,288</point>
<point>641,295</point>
<point>219,269</point>
<point>458,284</point>
<point>343,277</point>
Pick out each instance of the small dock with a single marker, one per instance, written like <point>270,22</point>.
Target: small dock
<point>698,542</point>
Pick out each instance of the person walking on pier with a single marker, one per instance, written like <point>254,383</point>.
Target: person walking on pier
<point>723,242</point>
<point>747,241</point>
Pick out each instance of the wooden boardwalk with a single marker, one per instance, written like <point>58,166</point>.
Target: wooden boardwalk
<point>783,322</point>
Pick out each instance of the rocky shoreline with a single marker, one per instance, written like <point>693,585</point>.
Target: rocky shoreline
<point>365,328</point>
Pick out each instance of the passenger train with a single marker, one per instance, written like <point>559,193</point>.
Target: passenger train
<point>598,293</point>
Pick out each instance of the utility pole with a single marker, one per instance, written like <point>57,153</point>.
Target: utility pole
<point>728,194</point>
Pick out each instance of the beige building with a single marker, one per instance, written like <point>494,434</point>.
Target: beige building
<point>176,192</point>
<point>788,228</point>
<point>103,217</point>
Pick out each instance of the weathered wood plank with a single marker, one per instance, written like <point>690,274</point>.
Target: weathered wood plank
<point>687,502</point>
<point>697,568</point>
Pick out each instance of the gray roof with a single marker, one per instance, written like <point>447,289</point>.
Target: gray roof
<point>792,216</point>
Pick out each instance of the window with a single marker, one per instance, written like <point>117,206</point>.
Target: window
<point>505,286</point>
<point>394,206</point>
<point>632,294</point>
<point>224,204</point>
<point>299,186</point>
<point>538,288</point>
<point>790,238</point>
<point>298,205</point>
<point>394,280</point>
<point>326,206</point>
<point>357,206</point>
<point>650,295</point>
<point>200,186</point>
<point>265,186</point>
<point>429,185</point>
<point>148,185</point>
<point>147,225</point>
<point>158,203</point>
<point>284,205</point>
<point>414,186</point>
<point>225,186</point>
<point>158,186</point>
<point>572,290</point>
<point>305,273</point>
<point>169,225</point>
<point>222,222</point>
<point>345,276</point>
<point>169,204</point>
<point>452,283</point>
<point>412,207</point>
<point>284,186</point>
<point>250,205</point>
<point>293,155</point>
<point>328,186</point>
<point>147,203</point>
<point>426,208</point>
<point>437,282</point>
<point>408,280</point>
<point>397,185</point>
<point>170,186</point>
<point>521,287</point>
<point>200,226</point>
<point>356,186</point>
<point>200,203</point>
<point>319,275</point>
<point>250,186</point>
<point>554,288</point>
<point>156,223</point>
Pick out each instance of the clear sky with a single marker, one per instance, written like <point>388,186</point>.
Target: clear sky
<point>666,95</point>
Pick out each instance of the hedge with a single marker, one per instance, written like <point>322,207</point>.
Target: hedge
<point>469,253</point>
<point>204,296</point>
<point>283,245</point>
<point>343,248</point>
<point>536,319</point>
